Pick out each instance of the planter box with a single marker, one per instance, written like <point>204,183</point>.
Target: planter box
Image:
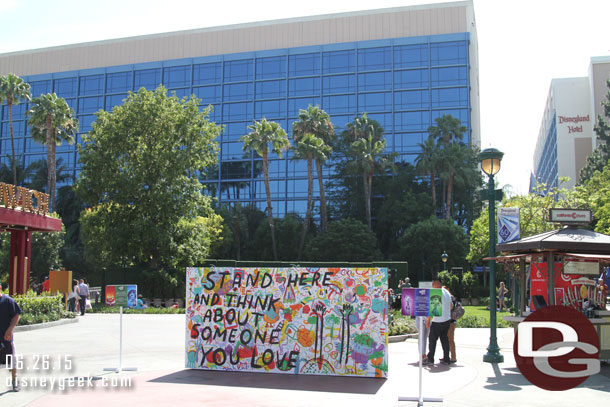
<point>474,301</point>
<point>465,301</point>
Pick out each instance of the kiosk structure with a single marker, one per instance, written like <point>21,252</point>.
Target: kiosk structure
<point>560,267</point>
<point>23,211</point>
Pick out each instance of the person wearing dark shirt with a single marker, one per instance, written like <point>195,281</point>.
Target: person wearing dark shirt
<point>9,317</point>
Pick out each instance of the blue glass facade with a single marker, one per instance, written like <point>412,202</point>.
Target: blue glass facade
<point>546,170</point>
<point>403,83</point>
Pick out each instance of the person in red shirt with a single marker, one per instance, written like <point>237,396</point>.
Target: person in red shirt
<point>45,285</point>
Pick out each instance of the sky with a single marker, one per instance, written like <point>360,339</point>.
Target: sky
<point>523,45</point>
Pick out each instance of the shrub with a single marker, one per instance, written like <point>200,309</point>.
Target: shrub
<point>41,308</point>
<point>400,324</point>
<point>103,309</point>
<point>471,284</point>
<point>474,321</point>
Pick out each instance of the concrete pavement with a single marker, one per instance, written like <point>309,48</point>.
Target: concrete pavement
<point>155,345</point>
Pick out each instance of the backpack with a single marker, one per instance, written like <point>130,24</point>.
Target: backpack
<point>458,310</point>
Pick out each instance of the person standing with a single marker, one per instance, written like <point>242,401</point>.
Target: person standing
<point>439,328</point>
<point>601,292</point>
<point>452,326</point>
<point>73,297</point>
<point>9,317</point>
<point>502,291</point>
<point>83,290</point>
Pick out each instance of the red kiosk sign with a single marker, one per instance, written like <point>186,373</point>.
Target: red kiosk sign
<point>23,211</point>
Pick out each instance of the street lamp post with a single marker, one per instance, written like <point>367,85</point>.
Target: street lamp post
<point>444,257</point>
<point>490,164</point>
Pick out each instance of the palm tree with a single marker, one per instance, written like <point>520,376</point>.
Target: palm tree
<point>309,147</point>
<point>447,129</point>
<point>15,173</point>
<point>448,132</point>
<point>317,122</point>
<point>13,89</point>
<point>52,122</point>
<point>264,133</point>
<point>366,145</point>
<point>426,163</point>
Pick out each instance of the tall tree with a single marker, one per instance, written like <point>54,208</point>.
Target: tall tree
<point>365,145</point>
<point>13,90</point>
<point>52,122</point>
<point>263,134</point>
<point>448,133</point>
<point>139,173</point>
<point>309,147</point>
<point>317,122</point>
<point>426,163</point>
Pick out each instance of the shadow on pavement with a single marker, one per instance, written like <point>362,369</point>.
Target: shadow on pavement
<point>332,384</point>
<point>514,380</point>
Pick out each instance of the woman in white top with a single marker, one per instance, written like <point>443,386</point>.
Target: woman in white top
<point>73,297</point>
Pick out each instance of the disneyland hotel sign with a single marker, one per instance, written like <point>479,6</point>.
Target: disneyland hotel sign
<point>26,200</point>
<point>575,128</point>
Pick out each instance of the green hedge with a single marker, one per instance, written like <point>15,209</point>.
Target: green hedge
<point>41,308</point>
<point>475,321</point>
<point>103,309</point>
<point>400,324</point>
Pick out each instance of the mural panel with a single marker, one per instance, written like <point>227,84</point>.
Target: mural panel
<point>319,321</point>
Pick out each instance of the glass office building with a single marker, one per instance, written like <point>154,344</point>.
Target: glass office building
<point>402,82</point>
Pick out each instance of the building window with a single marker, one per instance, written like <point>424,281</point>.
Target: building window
<point>449,53</point>
<point>208,94</point>
<point>374,81</point>
<point>38,88</point>
<point>450,97</point>
<point>270,109</point>
<point>304,86</point>
<point>238,71</point>
<point>270,89</point>
<point>449,76</point>
<point>294,105</point>
<point>304,65</point>
<point>177,76</point>
<point>413,99</point>
<point>238,111</point>
<point>339,84</point>
<point>65,87</point>
<point>90,104</point>
<point>270,68</point>
<point>374,59</point>
<point>411,56</point>
<point>412,121</point>
<point>411,79</point>
<point>114,100</point>
<point>204,74</point>
<point>118,82</point>
<point>339,104</point>
<point>91,85</point>
<point>234,131</point>
<point>339,61</point>
<point>374,102</point>
<point>239,91</point>
<point>148,78</point>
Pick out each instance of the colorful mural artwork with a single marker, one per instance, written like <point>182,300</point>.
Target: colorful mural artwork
<point>318,321</point>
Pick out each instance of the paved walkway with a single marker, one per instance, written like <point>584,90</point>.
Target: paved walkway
<point>154,344</point>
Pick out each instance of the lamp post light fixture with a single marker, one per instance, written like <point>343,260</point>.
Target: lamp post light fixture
<point>490,164</point>
<point>444,257</point>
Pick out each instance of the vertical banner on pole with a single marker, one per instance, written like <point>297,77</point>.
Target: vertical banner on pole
<point>509,225</point>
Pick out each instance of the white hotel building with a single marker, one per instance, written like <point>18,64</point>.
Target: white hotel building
<point>566,135</point>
